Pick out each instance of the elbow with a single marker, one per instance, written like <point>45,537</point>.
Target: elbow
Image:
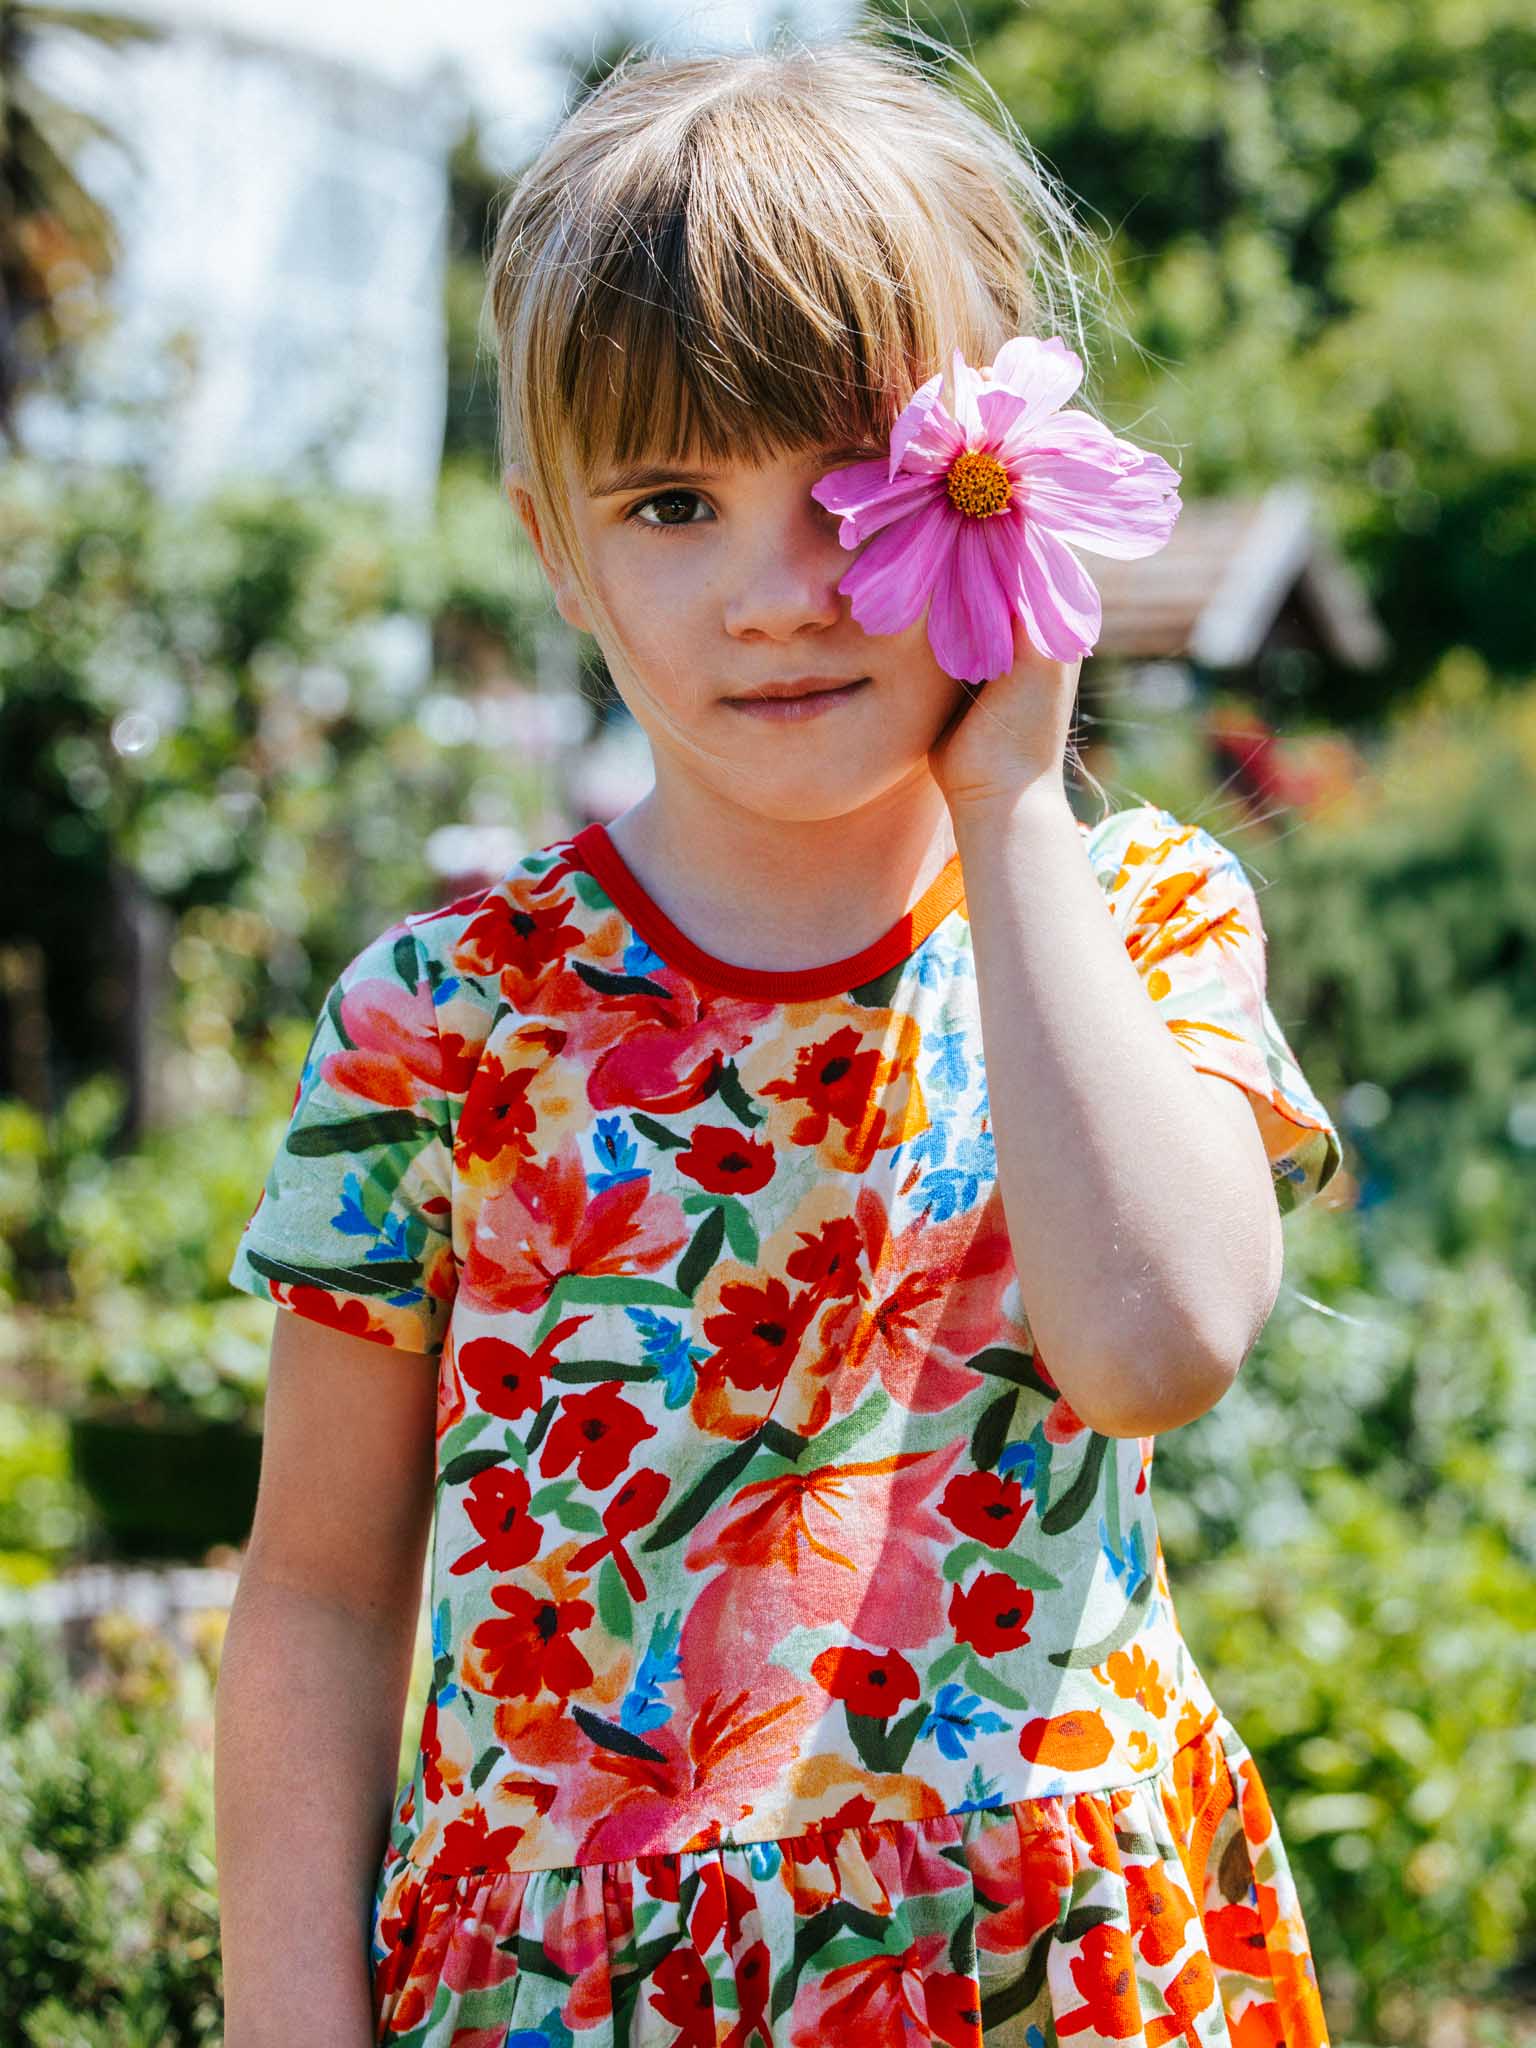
<point>1164,1390</point>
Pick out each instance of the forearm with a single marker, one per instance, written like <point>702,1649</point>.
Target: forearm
<point>308,1715</point>
<point>1140,1252</point>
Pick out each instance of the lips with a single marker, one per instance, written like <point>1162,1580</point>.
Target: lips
<point>797,686</point>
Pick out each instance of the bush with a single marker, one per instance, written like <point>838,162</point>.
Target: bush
<point>108,1907</point>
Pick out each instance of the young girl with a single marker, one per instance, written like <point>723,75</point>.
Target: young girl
<point>799,1204</point>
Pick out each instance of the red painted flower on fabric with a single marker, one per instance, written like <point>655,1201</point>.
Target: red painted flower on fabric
<point>865,1682</point>
<point>830,1264</point>
<point>548,1223</point>
<point>990,1614</point>
<point>471,1843</point>
<point>723,1161</point>
<point>496,1502</point>
<point>532,1647</point>
<point>519,935</point>
<point>758,1330</point>
<point>685,1997</point>
<point>953,2013</point>
<point>316,1305</point>
<point>633,1507</point>
<point>835,1079</point>
<point>599,1430</point>
<point>507,1380</point>
<point>496,1113</point>
<point>982,1505</point>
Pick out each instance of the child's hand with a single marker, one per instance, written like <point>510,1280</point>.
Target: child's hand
<point>1008,733</point>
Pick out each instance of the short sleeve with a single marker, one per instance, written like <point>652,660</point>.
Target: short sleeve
<point>354,1225</point>
<point>1190,919</point>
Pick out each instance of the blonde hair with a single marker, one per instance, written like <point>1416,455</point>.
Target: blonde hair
<point>719,257</point>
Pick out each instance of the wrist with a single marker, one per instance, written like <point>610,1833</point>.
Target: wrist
<point>982,812</point>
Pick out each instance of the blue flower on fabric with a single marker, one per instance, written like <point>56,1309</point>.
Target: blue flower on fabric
<point>643,1705</point>
<point>641,959</point>
<point>616,1151</point>
<point>981,1793</point>
<point>1020,1458</point>
<point>950,1068</point>
<point>666,1347</point>
<point>1130,1569</point>
<point>929,1147</point>
<point>954,1189</point>
<point>953,1721</point>
<point>440,1624</point>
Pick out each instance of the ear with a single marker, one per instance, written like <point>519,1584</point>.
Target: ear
<point>568,599</point>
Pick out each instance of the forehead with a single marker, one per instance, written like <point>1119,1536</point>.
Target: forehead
<point>608,477</point>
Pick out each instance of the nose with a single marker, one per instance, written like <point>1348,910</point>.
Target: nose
<point>786,575</point>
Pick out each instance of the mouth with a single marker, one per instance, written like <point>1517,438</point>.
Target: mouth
<point>805,697</point>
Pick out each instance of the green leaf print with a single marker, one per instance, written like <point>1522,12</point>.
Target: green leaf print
<point>1009,2000</point>
<point>877,994</point>
<point>736,1099</point>
<point>484,1764</point>
<point>407,957</point>
<point>885,1745</point>
<point>623,1288</point>
<point>580,1372</point>
<point>981,1678</point>
<point>702,1495</point>
<point>614,1610</point>
<point>739,1227</point>
<point>946,1664</point>
<point>658,1134</point>
<point>1002,1362</point>
<point>814,1934</point>
<point>609,1736</point>
<point>1023,1570</point>
<point>380,1276</point>
<point>576,1516</point>
<point>541,1422</point>
<point>839,1438</point>
<point>359,1133</point>
<point>1069,1508</point>
<point>991,1431</point>
<point>695,1263</point>
<point>607,984</point>
<point>1086,1655</point>
<point>460,1437</point>
<point>460,1470</point>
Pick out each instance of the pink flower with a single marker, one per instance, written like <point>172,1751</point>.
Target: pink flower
<point>979,512</point>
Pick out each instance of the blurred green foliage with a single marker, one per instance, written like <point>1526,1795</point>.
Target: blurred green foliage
<point>1321,228</point>
<point>262,706</point>
<point>109,1933</point>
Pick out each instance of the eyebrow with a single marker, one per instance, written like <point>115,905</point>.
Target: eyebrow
<point>647,476</point>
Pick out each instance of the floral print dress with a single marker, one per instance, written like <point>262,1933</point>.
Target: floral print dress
<point>805,1670</point>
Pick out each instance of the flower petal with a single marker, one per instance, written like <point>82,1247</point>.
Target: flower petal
<point>889,584</point>
<point>1126,513</point>
<point>1044,373</point>
<point>968,384</point>
<point>1060,605</point>
<point>911,421</point>
<point>970,621</point>
<point>865,502</point>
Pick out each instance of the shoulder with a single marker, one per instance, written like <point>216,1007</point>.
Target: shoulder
<point>1143,844</point>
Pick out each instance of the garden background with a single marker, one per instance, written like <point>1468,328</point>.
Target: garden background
<point>242,729</point>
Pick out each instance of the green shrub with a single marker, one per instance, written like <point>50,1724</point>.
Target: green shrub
<point>108,1905</point>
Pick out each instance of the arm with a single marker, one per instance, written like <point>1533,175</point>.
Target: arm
<point>313,1680</point>
<point>1137,1191</point>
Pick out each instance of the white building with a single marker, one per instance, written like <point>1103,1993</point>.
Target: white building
<point>280,289</point>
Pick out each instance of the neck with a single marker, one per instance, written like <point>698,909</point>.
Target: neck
<point>780,894</point>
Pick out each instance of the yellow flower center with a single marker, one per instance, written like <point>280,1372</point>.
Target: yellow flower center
<point>978,484</point>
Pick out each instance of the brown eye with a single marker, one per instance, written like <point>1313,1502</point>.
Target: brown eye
<point>664,498</point>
